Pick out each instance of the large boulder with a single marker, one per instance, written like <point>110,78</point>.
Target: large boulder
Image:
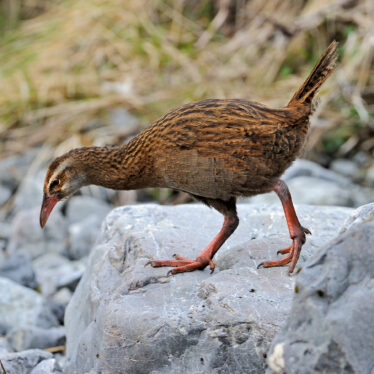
<point>127,318</point>
<point>330,327</point>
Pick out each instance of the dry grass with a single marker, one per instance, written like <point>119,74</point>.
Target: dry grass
<point>80,58</point>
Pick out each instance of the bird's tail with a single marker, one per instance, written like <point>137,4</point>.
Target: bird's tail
<point>321,71</point>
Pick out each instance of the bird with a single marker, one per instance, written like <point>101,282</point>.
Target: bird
<point>216,150</point>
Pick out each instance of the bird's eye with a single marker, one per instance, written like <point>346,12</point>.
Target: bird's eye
<point>55,183</point>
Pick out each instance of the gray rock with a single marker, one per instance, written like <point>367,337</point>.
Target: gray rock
<point>30,192</point>
<point>81,207</point>
<point>306,168</point>
<point>347,168</point>
<point>29,237</point>
<point>330,328</point>
<point>362,214</point>
<point>5,230</point>
<point>54,271</point>
<point>59,301</point>
<point>23,362</point>
<point>312,184</point>
<point>125,317</point>
<point>4,346</point>
<point>62,296</point>
<point>370,176</point>
<point>13,169</point>
<point>2,251</point>
<point>49,366</point>
<point>5,194</point>
<point>85,215</point>
<point>18,268</point>
<point>29,337</point>
<point>21,306</point>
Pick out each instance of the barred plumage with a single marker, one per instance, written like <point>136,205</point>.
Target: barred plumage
<point>216,150</point>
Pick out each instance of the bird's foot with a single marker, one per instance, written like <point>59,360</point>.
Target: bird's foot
<point>298,240</point>
<point>182,264</point>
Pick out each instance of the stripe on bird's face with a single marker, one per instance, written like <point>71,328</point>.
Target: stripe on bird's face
<point>59,173</point>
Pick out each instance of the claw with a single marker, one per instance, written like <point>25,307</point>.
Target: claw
<point>169,273</point>
<point>261,265</point>
<point>148,263</point>
<point>212,266</point>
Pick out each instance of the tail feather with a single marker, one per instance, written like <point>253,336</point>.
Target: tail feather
<point>320,72</point>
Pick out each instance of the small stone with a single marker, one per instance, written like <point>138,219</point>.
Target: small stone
<point>310,183</point>
<point>54,271</point>
<point>370,176</point>
<point>345,167</point>
<point>5,194</point>
<point>306,168</point>
<point>85,215</point>
<point>13,169</point>
<point>49,366</point>
<point>30,192</point>
<point>310,190</point>
<point>30,337</point>
<point>4,346</point>
<point>18,268</point>
<point>29,237</point>
<point>21,306</point>
<point>5,230</point>
<point>81,207</point>
<point>23,362</point>
<point>59,301</point>
<point>62,296</point>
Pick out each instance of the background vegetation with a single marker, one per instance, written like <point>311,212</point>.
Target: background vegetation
<point>65,62</point>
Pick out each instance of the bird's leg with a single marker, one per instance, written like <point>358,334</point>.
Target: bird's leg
<point>205,258</point>
<point>297,232</point>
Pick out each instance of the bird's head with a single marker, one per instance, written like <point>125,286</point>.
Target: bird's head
<point>64,177</point>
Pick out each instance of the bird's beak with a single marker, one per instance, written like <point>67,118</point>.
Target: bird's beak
<point>47,205</point>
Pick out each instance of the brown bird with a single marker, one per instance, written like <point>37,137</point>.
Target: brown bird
<point>215,150</point>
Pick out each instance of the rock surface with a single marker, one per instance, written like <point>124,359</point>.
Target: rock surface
<point>127,318</point>
<point>18,268</point>
<point>54,272</point>
<point>310,183</point>
<point>29,337</point>
<point>85,215</point>
<point>21,306</point>
<point>49,366</point>
<point>330,328</point>
<point>23,362</point>
<point>29,237</point>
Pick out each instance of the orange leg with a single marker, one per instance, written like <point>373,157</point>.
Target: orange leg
<point>205,258</point>
<point>297,232</point>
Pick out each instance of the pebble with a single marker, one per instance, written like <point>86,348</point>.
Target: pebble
<point>30,337</point>
<point>54,271</point>
<point>23,362</point>
<point>29,237</point>
<point>18,267</point>
<point>20,306</point>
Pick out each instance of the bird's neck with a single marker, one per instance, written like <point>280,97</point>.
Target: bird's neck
<point>119,168</point>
